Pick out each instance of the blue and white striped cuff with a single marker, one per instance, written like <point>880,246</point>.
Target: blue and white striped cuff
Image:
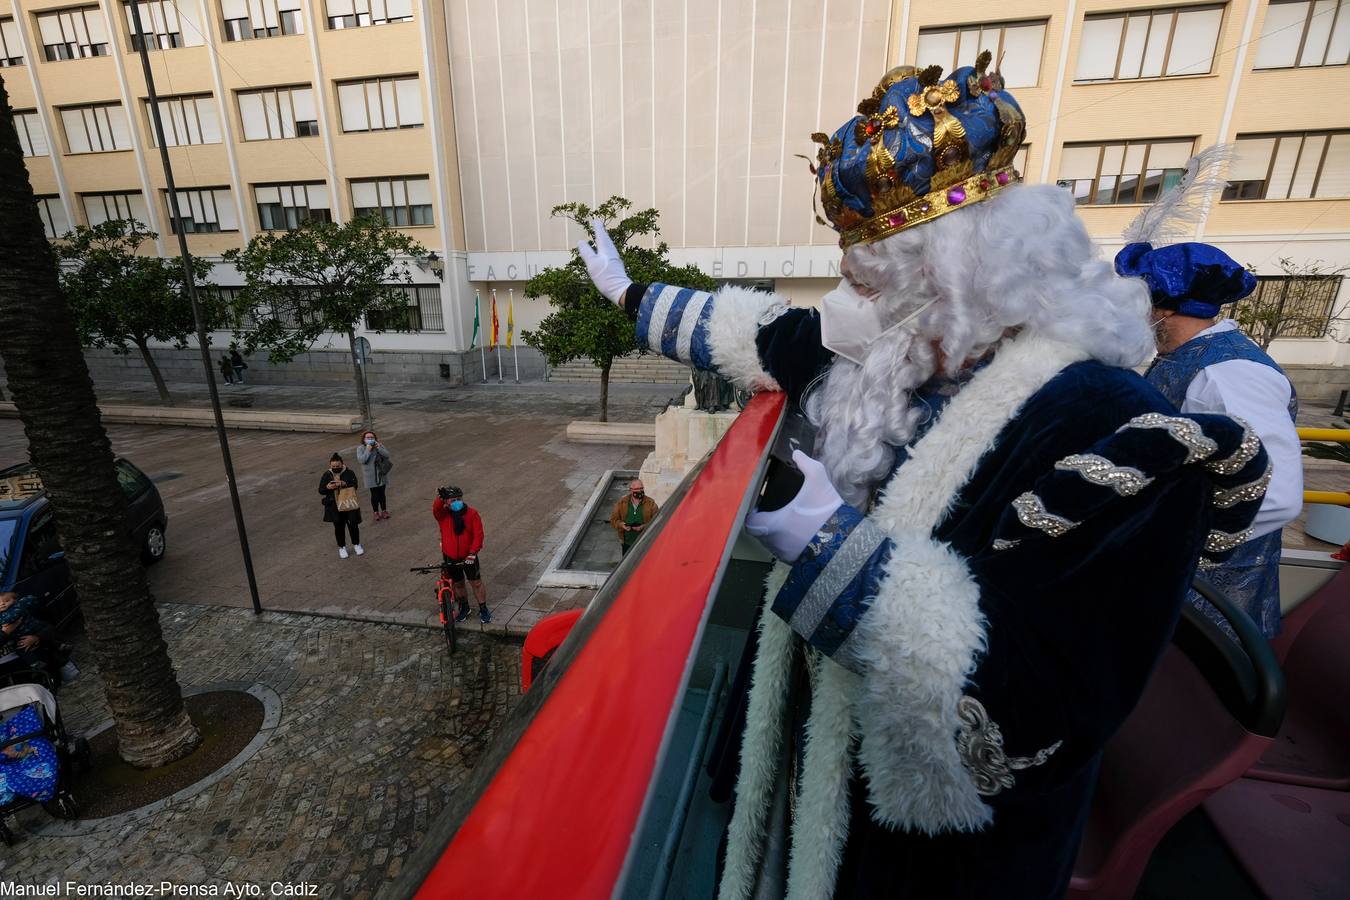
<point>673,321</point>
<point>833,582</point>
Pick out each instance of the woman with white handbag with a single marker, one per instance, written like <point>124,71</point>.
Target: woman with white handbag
<point>341,506</point>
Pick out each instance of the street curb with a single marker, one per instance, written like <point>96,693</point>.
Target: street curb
<point>257,420</point>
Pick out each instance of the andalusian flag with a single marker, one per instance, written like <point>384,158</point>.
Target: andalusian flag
<point>510,316</point>
<point>473,341</point>
<point>496,328</point>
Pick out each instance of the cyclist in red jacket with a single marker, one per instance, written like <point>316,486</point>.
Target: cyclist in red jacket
<point>461,539</point>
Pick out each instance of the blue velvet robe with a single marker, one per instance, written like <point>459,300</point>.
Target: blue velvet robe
<point>1074,621</point>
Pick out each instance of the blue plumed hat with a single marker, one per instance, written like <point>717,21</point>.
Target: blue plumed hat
<point>921,146</point>
<point>1193,279</point>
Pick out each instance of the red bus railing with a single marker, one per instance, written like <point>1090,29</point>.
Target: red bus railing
<point>559,814</point>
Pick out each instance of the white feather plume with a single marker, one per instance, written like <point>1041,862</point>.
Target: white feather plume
<point>1174,215</point>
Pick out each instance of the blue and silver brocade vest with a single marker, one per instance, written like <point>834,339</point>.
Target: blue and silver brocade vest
<point>1251,576</point>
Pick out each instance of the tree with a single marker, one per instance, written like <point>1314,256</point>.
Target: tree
<point>585,325</point>
<point>320,278</point>
<point>122,298</point>
<point>51,388</point>
<point>1301,304</point>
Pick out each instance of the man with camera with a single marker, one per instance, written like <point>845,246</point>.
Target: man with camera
<point>461,539</point>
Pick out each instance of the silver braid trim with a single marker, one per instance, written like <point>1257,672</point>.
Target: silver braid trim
<point>1246,450</point>
<point>1252,490</point>
<point>1184,431</point>
<point>1031,513</point>
<point>1222,541</point>
<point>1124,480</point>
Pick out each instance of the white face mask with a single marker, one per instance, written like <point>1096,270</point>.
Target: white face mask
<point>850,322</point>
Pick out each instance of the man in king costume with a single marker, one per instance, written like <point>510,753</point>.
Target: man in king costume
<point>981,571</point>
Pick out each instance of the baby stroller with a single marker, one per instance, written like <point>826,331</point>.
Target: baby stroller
<point>37,756</point>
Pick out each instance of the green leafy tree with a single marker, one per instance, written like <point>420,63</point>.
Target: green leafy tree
<point>122,298</point>
<point>318,279</point>
<point>585,325</point>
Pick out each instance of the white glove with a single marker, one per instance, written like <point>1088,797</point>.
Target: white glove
<point>604,265</point>
<point>786,532</point>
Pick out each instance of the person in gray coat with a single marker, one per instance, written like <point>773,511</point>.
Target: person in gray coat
<point>375,466</point>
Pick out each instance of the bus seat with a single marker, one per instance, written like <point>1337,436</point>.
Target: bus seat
<point>1210,710</point>
<point>541,642</point>
<point>1292,841</point>
<point>1313,746</point>
<point>1297,619</point>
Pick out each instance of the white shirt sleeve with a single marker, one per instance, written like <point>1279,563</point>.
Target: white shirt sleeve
<point>1260,395</point>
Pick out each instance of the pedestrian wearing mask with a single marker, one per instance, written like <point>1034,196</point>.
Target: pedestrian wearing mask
<point>461,539</point>
<point>341,506</point>
<point>375,465</point>
<point>631,515</point>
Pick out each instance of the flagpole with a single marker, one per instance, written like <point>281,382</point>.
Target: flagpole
<point>494,336</point>
<point>482,352</point>
<point>511,323</point>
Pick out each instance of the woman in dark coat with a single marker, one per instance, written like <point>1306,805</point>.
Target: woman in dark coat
<point>337,477</point>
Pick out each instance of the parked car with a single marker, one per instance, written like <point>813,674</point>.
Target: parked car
<point>31,558</point>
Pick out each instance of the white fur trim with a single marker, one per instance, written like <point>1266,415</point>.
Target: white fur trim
<point>921,636</point>
<point>821,816</point>
<point>732,326</point>
<point>919,642</point>
<point>765,709</point>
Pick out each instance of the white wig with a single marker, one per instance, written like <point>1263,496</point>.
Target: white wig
<point>1020,261</point>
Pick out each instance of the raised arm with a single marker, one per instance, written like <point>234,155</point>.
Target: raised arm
<point>750,337</point>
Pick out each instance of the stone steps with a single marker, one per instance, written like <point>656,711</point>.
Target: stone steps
<point>637,369</point>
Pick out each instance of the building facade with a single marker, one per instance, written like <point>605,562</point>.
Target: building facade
<point>465,122</point>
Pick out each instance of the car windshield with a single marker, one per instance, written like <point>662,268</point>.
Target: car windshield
<point>7,529</point>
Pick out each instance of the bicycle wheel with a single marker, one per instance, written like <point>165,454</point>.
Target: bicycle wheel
<point>447,617</point>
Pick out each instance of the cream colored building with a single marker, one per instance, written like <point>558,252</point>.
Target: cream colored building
<point>469,121</point>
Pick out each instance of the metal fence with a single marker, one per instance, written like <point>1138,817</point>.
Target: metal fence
<point>1284,306</point>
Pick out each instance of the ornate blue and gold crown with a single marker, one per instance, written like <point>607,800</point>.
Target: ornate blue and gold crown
<point>920,146</point>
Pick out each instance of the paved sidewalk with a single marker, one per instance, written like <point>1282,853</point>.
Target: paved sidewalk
<point>505,446</point>
<point>378,728</point>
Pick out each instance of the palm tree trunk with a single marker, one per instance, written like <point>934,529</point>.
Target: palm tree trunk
<point>51,387</point>
<point>150,364</point>
<point>604,394</point>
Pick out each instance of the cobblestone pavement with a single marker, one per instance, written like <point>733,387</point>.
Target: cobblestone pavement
<point>377,730</point>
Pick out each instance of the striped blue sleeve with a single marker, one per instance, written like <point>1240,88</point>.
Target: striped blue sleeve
<point>673,321</point>
<point>834,580</point>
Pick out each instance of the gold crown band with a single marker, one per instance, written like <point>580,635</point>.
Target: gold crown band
<point>930,206</point>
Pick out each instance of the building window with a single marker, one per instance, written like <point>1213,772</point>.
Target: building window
<point>10,54</point>
<point>1304,33</point>
<point>203,210</point>
<point>400,201</point>
<point>422,312</point>
<point>1286,306</point>
<point>1017,45</point>
<point>1290,166</point>
<point>53,213</point>
<point>275,113</point>
<point>1148,43</point>
<point>1122,171</point>
<point>187,120</point>
<point>380,104</point>
<point>72,33</point>
<point>96,129</point>
<point>1020,160</point>
<point>100,208</point>
<point>282,207</point>
<point>32,138</point>
<point>360,13</point>
<point>248,19</point>
<point>165,25</point>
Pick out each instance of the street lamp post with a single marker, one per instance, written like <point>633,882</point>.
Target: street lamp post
<point>196,307</point>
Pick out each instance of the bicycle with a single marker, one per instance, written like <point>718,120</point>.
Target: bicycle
<point>445,600</point>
